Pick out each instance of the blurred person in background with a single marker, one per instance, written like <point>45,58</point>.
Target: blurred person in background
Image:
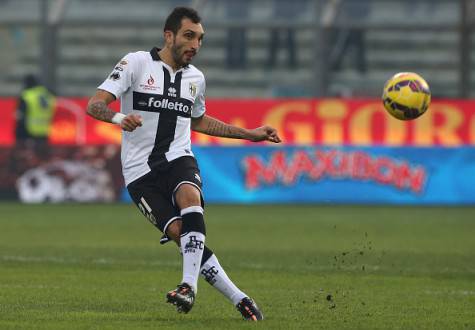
<point>236,41</point>
<point>162,100</point>
<point>285,11</point>
<point>421,7</point>
<point>349,40</point>
<point>35,111</point>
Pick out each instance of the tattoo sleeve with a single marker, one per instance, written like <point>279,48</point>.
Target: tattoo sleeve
<point>99,110</point>
<point>215,127</point>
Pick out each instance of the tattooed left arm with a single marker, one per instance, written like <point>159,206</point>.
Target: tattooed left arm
<point>212,126</point>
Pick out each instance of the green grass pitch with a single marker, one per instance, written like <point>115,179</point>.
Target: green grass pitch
<point>308,267</point>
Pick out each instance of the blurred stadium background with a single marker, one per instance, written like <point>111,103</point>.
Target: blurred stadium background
<point>312,68</point>
<point>74,43</point>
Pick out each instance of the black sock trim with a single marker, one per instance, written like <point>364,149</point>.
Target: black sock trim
<point>207,253</point>
<point>193,221</point>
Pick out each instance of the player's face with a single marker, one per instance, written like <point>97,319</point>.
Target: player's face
<point>187,42</point>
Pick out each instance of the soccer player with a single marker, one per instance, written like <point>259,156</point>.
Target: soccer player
<point>162,99</point>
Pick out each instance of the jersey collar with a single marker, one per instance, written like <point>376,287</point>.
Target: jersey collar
<point>154,54</point>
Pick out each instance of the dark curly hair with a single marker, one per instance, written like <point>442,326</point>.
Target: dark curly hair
<point>173,22</point>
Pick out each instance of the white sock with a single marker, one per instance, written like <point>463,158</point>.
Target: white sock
<point>215,275</point>
<point>192,244</point>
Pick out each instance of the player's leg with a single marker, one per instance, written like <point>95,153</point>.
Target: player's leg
<point>191,238</point>
<point>184,189</point>
<point>185,182</point>
<point>159,210</point>
<point>193,231</point>
<point>214,274</point>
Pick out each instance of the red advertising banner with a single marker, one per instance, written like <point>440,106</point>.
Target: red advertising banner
<point>359,122</point>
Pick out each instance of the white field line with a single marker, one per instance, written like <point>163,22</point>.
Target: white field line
<point>356,267</point>
<point>38,259</point>
<point>450,293</point>
<point>109,261</point>
<point>247,265</point>
<point>99,261</point>
<point>29,286</point>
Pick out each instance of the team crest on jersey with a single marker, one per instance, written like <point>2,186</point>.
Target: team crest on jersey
<point>193,89</point>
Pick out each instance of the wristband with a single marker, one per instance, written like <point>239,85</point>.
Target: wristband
<point>117,119</point>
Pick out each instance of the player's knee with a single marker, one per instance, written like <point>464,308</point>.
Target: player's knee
<point>174,231</point>
<point>187,195</point>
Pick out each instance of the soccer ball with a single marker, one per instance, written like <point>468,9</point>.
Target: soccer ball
<point>406,96</point>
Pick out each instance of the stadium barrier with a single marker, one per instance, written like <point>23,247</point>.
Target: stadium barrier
<point>334,151</point>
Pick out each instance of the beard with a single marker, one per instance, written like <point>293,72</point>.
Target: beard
<point>178,54</point>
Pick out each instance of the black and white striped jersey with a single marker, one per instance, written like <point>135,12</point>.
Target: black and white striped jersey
<point>166,100</point>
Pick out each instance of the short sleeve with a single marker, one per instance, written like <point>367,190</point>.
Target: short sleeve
<point>199,107</point>
<point>121,78</point>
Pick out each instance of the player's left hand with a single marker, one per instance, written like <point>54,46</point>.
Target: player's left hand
<point>264,133</point>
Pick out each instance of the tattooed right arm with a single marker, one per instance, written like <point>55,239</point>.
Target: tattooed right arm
<point>97,106</point>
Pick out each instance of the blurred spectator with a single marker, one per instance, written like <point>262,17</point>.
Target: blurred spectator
<point>285,11</point>
<point>35,112</point>
<point>236,42</point>
<point>350,40</point>
<point>470,11</point>
<point>416,8</point>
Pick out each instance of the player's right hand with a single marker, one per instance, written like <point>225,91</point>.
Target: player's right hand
<point>131,122</point>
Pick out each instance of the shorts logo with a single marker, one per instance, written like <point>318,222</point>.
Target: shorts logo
<point>210,274</point>
<point>193,244</point>
<point>197,177</point>
<point>146,210</point>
